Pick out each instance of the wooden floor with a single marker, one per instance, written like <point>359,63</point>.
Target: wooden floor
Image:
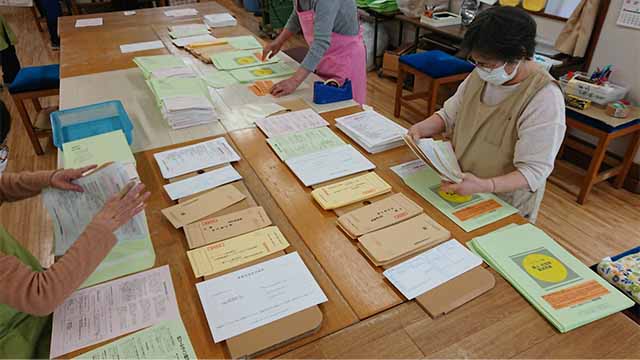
<point>607,224</point>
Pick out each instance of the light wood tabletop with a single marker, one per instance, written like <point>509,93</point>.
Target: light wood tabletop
<point>364,314</point>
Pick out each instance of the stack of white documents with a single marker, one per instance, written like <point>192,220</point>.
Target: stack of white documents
<point>186,30</point>
<point>374,132</point>
<point>220,20</point>
<point>186,111</point>
<point>440,155</point>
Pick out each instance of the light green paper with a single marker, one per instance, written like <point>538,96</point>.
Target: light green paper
<point>304,142</point>
<point>219,79</point>
<point>149,64</point>
<point>504,251</point>
<point>165,340</point>
<point>169,87</point>
<point>426,183</point>
<point>263,72</point>
<point>179,34</point>
<point>97,150</point>
<point>244,42</point>
<point>231,60</point>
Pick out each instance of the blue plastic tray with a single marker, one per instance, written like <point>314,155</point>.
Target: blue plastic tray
<point>91,120</point>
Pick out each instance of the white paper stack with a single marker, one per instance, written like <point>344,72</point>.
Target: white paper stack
<point>220,20</point>
<point>440,155</point>
<point>374,132</point>
<point>186,111</point>
<point>186,30</point>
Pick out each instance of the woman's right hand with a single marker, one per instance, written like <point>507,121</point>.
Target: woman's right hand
<point>415,132</point>
<point>271,50</point>
<point>122,207</point>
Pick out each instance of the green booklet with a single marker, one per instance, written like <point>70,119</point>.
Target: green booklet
<point>218,79</point>
<point>558,285</point>
<point>231,60</point>
<point>244,42</point>
<point>263,72</point>
<point>170,87</point>
<point>165,340</point>
<point>304,142</point>
<point>99,149</point>
<point>149,64</point>
<point>479,210</point>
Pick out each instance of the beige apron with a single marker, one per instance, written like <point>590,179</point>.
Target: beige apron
<point>485,136</point>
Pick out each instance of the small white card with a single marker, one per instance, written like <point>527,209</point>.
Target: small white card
<point>202,182</point>
<point>181,12</point>
<point>141,46</point>
<point>192,40</point>
<point>432,268</point>
<point>129,12</point>
<point>89,22</point>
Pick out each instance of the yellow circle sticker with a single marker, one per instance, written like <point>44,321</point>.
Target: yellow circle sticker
<point>454,197</point>
<point>245,60</point>
<point>262,72</point>
<point>544,268</point>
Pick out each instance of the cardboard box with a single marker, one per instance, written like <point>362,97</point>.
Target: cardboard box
<point>391,60</point>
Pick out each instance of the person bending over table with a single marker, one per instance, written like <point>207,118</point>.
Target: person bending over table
<point>29,293</point>
<point>336,48</point>
<point>506,121</point>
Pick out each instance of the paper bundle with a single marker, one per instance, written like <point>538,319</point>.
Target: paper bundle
<point>440,155</point>
<point>220,20</point>
<point>183,102</point>
<point>163,66</point>
<point>374,132</point>
<point>231,60</point>
<point>350,191</point>
<point>187,30</point>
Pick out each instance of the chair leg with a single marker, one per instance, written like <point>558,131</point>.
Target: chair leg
<point>628,160</point>
<point>36,16</point>
<point>399,86</point>
<point>36,105</point>
<point>433,97</point>
<point>594,168</point>
<point>28,126</point>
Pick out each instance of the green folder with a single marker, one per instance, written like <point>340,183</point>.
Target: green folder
<point>244,42</point>
<point>304,142</point>
<point>558,285</point>
<point>263,72</point>
<point>231,60</point>
<point>169,87</point>
<point>149,64</point>
<point>468,215</point>
<point>99,149</point>
<point>219,79</point>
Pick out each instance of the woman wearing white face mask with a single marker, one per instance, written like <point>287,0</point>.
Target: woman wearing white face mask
<point>506,120</point>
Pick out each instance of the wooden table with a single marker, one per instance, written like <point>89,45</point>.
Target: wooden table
<point>362,305</point>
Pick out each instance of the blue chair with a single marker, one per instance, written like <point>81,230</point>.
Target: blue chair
<point>436,66</point>
<point>33,83</point>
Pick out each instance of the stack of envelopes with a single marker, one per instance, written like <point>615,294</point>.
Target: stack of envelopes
<point>220,20</point>
<point>183,102</point>
<point>440,155</point>
<point>163,66</point>
<point>350,191</point>
<point>374,132</point>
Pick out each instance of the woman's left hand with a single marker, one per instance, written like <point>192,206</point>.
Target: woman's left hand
<point>63,179</point>
<point>470,185</point>
<point>285,87</point>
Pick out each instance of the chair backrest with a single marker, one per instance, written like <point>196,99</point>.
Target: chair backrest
<point>5,123</point>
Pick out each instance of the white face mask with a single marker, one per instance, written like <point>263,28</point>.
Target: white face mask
<point>497,76</point>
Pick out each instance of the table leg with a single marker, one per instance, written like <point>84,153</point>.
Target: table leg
<point>399,86</point>
<point>594,168</point>
<point>401,33</point>
<point>628,160</point>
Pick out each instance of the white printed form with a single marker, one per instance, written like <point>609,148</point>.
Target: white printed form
<point>202,182</point>
<point>195,157</point>
<point>295,121</point>
<point>257,295</point>
<point>409,168</point>
<point>93,315</point>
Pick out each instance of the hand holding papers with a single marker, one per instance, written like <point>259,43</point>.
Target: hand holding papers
<point>350,191</point>
<point>290,122</point>
<point>440,155</point>
<point>374,132</point>
<point>257,295</point>
<point>195,157</point>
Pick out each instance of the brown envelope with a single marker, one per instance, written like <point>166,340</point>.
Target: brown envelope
<point>390,243</point>
<point>203,205</point>
<point>224,227</point>
<point>389,211</point>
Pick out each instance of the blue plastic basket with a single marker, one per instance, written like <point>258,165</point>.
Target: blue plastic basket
<point>91,120</point>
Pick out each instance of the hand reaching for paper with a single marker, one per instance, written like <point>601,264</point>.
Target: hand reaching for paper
<point>470,185</point>
<point>122,207</point>
<point>63,179</point>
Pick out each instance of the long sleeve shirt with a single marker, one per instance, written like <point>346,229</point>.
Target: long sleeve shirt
<point>39,293</point>
<point>541,128</point>
<point>339,16</point>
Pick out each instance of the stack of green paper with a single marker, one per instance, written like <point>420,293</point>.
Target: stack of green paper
<point>99,149</point>
<point>263,72</point>
<point>182,31</point>
<point>161,65</point>
<point>231,60</point>
<point>183,102</point>
<point>304,142</point>
<point>244,42</point>
<point>218,79</point>
<point>558,285</point>
<point>380,6</point>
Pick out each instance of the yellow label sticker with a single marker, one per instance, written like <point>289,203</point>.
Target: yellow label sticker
<point>544,268</point>
<point>246,60</point>
<point>262,72</point>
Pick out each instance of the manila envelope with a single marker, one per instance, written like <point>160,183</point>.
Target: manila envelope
<point>350,191</point>
<point>398,240</point>
<point>197,208</point>
<point>223,227</point>
<point>386,212</point>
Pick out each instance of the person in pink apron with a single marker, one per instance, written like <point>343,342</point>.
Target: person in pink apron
<point>336,48</point>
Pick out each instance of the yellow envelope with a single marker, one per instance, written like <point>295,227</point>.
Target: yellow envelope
<point>227,254</point>
<point>350,191</point>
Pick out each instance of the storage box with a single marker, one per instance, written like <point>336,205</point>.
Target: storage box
<point>599,94</point>
<point>391,60</point>
<point>85,121</point>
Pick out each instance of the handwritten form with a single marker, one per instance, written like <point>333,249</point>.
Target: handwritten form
<point>432,268</point>
<point>321,166</point>
<point>200,183</point>
<point>92,315</point>
<point>290,122</point>
<point>195,157</point>
<point>257,295</point>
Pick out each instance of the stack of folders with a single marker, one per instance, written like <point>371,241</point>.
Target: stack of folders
<point>558,285</point>
<point>220,20</point>
<point>440,155</point>
<point>187,30</point>
<point>350,191</point>
<point>183,102</point>
<point>374,132</point>
<point>163,66</point>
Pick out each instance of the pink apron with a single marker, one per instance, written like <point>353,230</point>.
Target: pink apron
<point>346,57</point>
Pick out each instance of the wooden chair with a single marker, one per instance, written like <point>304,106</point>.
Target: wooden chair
<point>32,84</point>
<point>438,67</point>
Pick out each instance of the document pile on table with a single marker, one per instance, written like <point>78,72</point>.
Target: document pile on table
<point>439,155</point>
<point>558,285</point>
<point>72,211</point>
<point>163,66</point>
<point>187,30</point>
<point>186,159</point>
<point>220,20</point>
<point>374,132</point>
<point>181,12</point>
<point>350,191</point>
<point>183,102</point>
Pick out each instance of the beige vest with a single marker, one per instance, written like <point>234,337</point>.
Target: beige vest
<point>485,136</point>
